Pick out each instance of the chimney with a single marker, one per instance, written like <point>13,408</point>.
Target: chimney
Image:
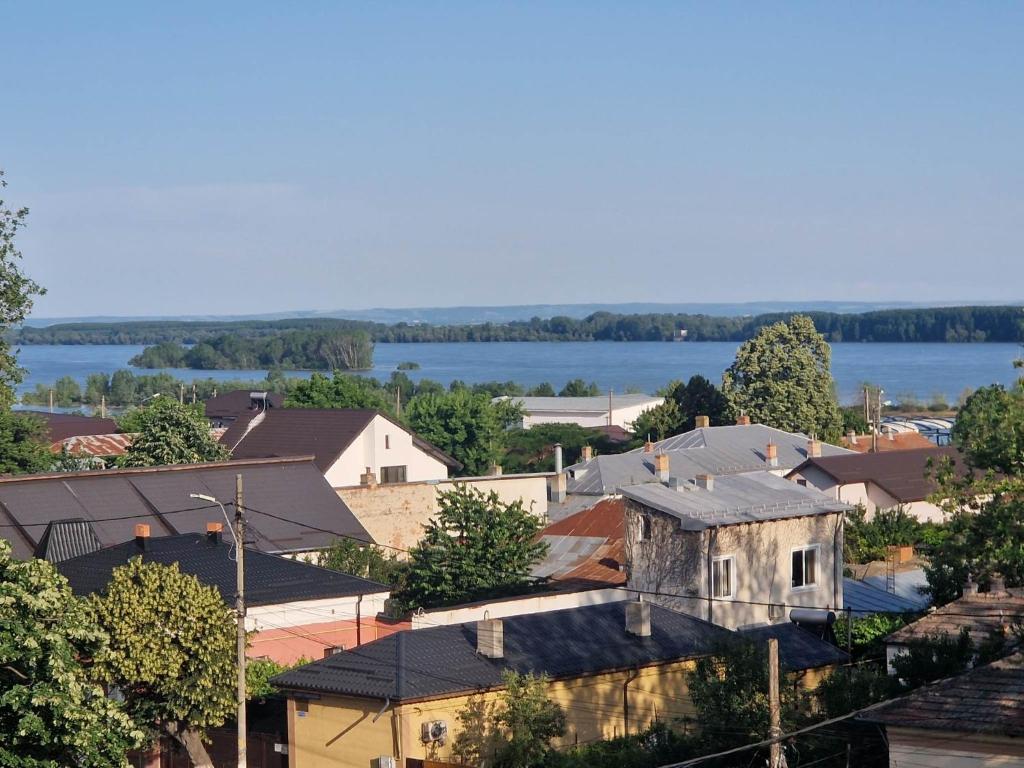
<point>558,458</point>
<point>771,455</point>
<point>700,422</point>
<point>970,587</point>
<point>851,437</point>
<point>638,619</point>
<point>707,482</point>
<point>892,435</point>
<point>213,531</point>
<point>743,420</point>
<point>813,448</point>
<point>368,478</point>
<point>588,453</point>
<point>495,470</point>
<point>997,585</point>
<point>648,447</point>
<point>141,535</point>
<point>490,638</point>
<point>557,487</point>
<point>661,466</point>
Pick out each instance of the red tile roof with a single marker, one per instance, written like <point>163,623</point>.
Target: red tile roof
<point>896,441</point>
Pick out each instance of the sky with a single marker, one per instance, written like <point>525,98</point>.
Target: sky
<point>237,158</point>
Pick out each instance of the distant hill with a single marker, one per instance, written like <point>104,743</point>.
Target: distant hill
<point>520,312</point>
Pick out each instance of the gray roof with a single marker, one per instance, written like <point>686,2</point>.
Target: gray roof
<point>747,498</point>
<point>863,598</point>
<point>442,661</point>
<point>708,450</point>
<point>64,539</point>
<point>277,492</point>
<point>909,586</point>
<point>799,649</point>
<point>598,404</point>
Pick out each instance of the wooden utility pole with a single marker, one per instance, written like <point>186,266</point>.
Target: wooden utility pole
<point>774,708</point>
<point>181,394</point>
<point>240,615</point>
<point>193,393</point>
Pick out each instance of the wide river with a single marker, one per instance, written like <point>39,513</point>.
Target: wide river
<point>920,369</point>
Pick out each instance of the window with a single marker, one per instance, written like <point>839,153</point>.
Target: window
<point>805,567</point>
<point>330,651</point>
<point>645,528</point>
<point>392,474</point>
<point>722,576</point>
<point>801,481</point>
<point>387,441</point>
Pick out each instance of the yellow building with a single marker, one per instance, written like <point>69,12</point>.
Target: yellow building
<point>614,668</point>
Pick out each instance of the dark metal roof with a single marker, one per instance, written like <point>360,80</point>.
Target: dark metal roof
<point>442,661</point>
<point>322,433</point>
<point>64,539</point>
<point>864,599</point>
<point>61,426</point>
<point>798,648</point>
<point>901,474</point>
<point>987,699</point>
<point>269,579</point>
<point>231,405</point>
<point>114,500</point>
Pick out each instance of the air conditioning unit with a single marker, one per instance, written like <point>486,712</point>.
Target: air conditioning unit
<point>384,761</point>
<point>434,732</point>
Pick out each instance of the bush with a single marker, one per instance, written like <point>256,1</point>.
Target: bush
<point>867,541</point>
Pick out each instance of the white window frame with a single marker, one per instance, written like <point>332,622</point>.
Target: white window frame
<point>731,559</point>
<point>805,587</point>
<point>645,529</point>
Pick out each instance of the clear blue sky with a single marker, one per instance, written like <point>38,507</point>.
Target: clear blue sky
<point>254,157</point>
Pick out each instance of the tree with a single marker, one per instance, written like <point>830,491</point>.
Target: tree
<point>477,546</point>
<point>16,296</point>
<point>340,391</point>
<point>533,449</point>
<point>24,447</point>
<point>171,433</point>
<point>659,422</point>
<point>782,378</point>
<point>699,397</point>
<point>989,429</point>
<point>365,560</point>
<point>468,426</point>
<point>579,388</point>
<point>515,731</point>
<point>51,712</point>
<point>171,652</point>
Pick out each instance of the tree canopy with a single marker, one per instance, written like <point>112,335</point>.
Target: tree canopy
<point>782,377</point>
<point>171,651</point>
<point>24,447</point>
<point>365,560</point>
<point>167,432</point>
<point>683,404</point>
<point>476,547</point>
<point>51,713</point>
<point>340,391</point>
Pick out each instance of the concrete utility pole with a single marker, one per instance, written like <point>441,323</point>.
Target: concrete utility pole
<point>51,401</point>
<point>103,406</point>
<point>240,616</point>
<point>774,708</point>
<point>610,409</point>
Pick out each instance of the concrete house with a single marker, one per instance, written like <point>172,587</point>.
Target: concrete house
<point>346,444</point>
<point>601,411</point>
<point>880,481</point>
<point>739,551</point>
<point>974,720</point>
<point>614,668</point>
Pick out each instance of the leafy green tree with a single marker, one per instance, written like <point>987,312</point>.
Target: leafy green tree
<point>544,389</point>
<point>468,426</point>
<point>699,397</point>
<point>477,546</point>
<point>989,429</point>
<point>928,659</point>
<point>24,445</point>
<point>258,673</point>
<point>171,652</point>
<point>170,433</point>
<point>533,449</point>
<point>579,388</point>
<point>51,713</point>
<point>340,391</point>
<point>16,296</point>
<point>867,633</point>
<point>782,377</point>
<point>855,687</point>
<point>657,423</point>
<point>365,560</point>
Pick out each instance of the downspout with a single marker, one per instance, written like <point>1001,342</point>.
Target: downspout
<point>837,559</point>
<point>633,675</point>
<point>359,622</point>
<point>710,560</point>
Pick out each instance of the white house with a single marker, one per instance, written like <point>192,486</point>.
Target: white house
<point>602,411</point>
<point>345,444</point>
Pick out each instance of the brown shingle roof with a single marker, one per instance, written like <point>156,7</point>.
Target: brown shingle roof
<point>980,614</point>
<point>237,402</point>
<point>901,474</point>
<point>988,699</point>
<point>60,426</point>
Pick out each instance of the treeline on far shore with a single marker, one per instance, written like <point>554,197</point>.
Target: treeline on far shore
<point>941,324</point>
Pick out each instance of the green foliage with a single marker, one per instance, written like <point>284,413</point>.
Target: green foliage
<point>782,378</point>
<point>867,633</point>
<point>258,673</point>
<point>51,713</point>
<point>16,295</point>
<point>683,404</point>
<point>478,546</point>
<point>655,746</point>
<point>467,426</point>
<point>544,389</point>
<point>365,560</point>
<point>579,388</point>
<point>294,350</point>
<point>853,420</point>
<point>532,450</point>
<point>340,391</point>
<point>170,433</point>
<point>867,541</point>
<point>408,366</point>
<point>855,687</point>
<point>514,732</point>
<point>659,422</point>
<point>989,429</point>
<point>171,651</point>
<point>24,446</point>
<point>928,659</point>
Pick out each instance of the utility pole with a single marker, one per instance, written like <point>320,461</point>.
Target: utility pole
<point>398,401</point>
<point>181,394</point>
<point>193,393</point>
<point>51,401</point>
<point>774,708</point>
<point>609,407</point>
<point>103,406</point>
<point>867,410</point>
<point>240,616</point>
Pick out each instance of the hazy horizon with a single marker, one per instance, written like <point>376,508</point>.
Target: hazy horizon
<point>243,159</point>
